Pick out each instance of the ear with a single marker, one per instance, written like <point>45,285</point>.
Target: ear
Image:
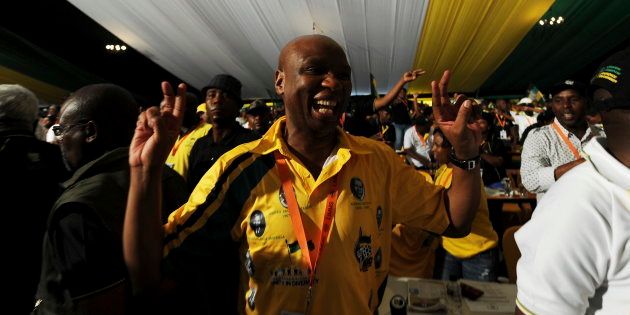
<point>91,131</point>
<point>279,82</point>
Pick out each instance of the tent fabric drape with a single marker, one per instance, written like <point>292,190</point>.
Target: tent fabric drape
<point>550,54</point>
<point>44,91</point>
<point>472,38</point>
<point>196,40</point>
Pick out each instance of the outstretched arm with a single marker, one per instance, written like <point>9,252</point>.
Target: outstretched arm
<point>458,123</point>
<point>156,132</point>
<point>393,93</point>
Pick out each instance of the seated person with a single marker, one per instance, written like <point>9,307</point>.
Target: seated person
<point>493,152</point>
<point>416,144</point>
<point>384,128</point>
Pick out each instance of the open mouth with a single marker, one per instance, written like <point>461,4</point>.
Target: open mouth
<point>325,108</point>
<point>568,116</point>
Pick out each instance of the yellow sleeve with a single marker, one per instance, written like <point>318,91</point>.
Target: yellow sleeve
<point>416,202</point>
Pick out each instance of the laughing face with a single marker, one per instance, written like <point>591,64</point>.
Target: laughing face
<point>314,81</point>
<point>569,107</point>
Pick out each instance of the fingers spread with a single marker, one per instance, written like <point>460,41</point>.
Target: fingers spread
<point>436,97</point>
<point>419,72</point>
<point>446,77</point>
<point>180,102</point>
<point>168,97</point>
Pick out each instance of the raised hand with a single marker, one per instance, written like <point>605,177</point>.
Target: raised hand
<point>157,129</point>
<point>457,121</point>
<point>412,75</point>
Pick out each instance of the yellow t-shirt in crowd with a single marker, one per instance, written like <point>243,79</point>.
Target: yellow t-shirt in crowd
<point>413,249</point>
<point>375,190</point>
<point>482,236</point>
<point>178,157</point>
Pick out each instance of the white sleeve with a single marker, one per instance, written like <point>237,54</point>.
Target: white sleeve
<point>565,251</point>
<point>537,173</point>
<point>408,139</point>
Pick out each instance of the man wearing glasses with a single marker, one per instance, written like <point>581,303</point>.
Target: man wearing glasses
<point>82,264</point>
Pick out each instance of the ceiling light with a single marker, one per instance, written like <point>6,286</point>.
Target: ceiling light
<point>552,21</point>
<point>116,48</point>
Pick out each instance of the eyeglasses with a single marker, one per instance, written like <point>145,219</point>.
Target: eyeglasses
<point>60,130</point>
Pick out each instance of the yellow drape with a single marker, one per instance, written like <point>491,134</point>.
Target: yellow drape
<point>42,90</point>
<point>472,38</point>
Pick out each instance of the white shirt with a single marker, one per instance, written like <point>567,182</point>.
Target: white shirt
<point>412,141</point>
<point>544,151</point>
<point>523,121</point>
<point>576,248</point>
<point>50,135</point>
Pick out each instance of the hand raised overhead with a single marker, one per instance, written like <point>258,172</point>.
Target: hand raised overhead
<point>157,129</point>
<point>412,75</point>
<point>457,121</point>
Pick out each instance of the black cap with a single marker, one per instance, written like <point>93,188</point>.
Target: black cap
<point>258,106</point>
<point>611,76</point>
<point>568,85</point>
<point>225,83</point>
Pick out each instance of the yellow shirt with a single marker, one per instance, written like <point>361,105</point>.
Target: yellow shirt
<point>375,190</point>
<point>413,252</point>
<point>482,236</point>
<point>413,249</point>
<point>178,157</point>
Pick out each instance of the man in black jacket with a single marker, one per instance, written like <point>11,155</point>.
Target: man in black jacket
<point>83,269</point>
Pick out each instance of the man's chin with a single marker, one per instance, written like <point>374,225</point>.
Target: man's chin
<point>222,120</point>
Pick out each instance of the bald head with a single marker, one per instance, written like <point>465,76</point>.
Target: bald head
<point>300,44</point>
<point>111,107</point>
<point>314,80</point>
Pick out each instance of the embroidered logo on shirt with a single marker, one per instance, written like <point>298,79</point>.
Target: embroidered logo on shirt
<point>249,264</point>
<point>251,298</point>
<point>291,276</point>
<point>257,222</point>
<point>363,251</point>
<point>357,188</point>
<point>295,246</point>
<point>379,216</point>
<point>282,198</point>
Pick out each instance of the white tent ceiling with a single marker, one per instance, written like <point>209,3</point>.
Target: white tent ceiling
<point>195,40</point>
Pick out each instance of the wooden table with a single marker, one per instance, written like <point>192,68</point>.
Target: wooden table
<point>516,198</point>
<point>498,298</point>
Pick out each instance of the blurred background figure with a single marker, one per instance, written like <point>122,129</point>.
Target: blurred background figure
<point>83,271</point>
<point>476,255</point>
<point>193,128</point>
<point>258,117</point>
<point>29,185</point>
<point>493,151</point>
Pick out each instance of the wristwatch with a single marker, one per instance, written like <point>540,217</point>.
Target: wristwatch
<point>467,165</point>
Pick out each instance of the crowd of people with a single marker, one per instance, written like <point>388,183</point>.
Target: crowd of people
<point>221,208</point>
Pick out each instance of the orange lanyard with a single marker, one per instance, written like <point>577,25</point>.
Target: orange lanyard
<point>176,146</point>
<point>422,141</point>
<point>501,121</point>
<point>296,218</point>
<point>566,140</point>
